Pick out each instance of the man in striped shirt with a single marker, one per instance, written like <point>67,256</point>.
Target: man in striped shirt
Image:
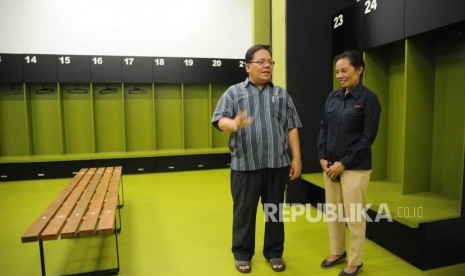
<point>263,123</point>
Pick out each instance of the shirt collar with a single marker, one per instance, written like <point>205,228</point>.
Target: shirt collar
<point>355,92</point>
<point>247,83</point>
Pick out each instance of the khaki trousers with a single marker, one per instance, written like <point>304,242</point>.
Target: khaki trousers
<point>349,195</point>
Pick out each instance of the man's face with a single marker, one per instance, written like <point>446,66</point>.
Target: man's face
<point>260,68</point>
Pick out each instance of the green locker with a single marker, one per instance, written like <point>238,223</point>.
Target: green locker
<point>385,76</point>
<point>109,118</point>
<point>78,123</point>
<point>196,103</point>
<point>449,116</point>
<point>376,77</point>
<point>139,117</point>
<point>13,123</point>
<point>45,119</point>
<point>419,116</point>
<point>169,117</point>
<point>219,139</point>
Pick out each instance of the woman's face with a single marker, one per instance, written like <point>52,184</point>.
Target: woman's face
<point>347,74</point>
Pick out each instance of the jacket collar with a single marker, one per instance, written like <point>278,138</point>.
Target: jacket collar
<point>355,92</point>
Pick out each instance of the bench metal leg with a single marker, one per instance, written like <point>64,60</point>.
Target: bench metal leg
<point>118,228</point>
<point>42,257</point>
<point>117,247</point>
<point>111,271</point>
<point>121,204</point>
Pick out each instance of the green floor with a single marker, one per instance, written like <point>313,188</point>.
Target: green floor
<point>173,224</point>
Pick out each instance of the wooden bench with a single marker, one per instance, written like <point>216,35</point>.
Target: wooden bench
<point>85,207</point>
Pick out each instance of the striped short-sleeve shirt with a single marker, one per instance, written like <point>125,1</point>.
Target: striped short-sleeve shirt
<point>264,143</point>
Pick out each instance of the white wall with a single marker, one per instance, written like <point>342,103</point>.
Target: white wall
<point>177,28</point>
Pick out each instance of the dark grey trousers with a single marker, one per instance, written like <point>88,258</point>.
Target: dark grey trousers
<point>247,188</point>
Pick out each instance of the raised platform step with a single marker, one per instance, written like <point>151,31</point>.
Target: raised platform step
<point>410,210</point>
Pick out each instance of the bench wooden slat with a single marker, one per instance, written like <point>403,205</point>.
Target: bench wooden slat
<point>89,224</point>
<point>70,229</point>
<point>56,224</point>
<point>33,233</point>
<point>106,224</point>
<point>86,206</point>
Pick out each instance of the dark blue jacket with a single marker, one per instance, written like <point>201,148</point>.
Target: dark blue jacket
<point>348,127</point>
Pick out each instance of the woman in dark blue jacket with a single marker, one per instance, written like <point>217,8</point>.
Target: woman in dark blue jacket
<point>348,129</point>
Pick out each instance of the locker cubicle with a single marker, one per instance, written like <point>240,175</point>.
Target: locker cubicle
<point>101,109</point>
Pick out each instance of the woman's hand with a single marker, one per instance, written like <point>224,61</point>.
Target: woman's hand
<point>335,170</point>
<point>324,165</point>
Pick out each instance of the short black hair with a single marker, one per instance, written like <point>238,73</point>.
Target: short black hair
<point>252,50</point>
<point>355,57</point>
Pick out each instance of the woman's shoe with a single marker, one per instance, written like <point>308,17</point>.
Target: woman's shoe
<point>328,264</point>
<point>343,273</point>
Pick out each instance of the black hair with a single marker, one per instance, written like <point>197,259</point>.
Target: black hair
<point>355,57</point>
<point>252,50</point>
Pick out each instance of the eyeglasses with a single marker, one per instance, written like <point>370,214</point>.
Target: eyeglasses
<point>262,62</point>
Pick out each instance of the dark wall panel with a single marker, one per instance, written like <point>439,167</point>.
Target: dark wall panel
<point>73,69</point>
<point>137,69</point>
<point>196,70</point>
<point>11,68</point>
<point>383,23</point>
<point>167,70</point>
<point>348,29</point>
<point>426,15</point>
<point>106,69</point>
<point>309,66</point>
<point>40,68</point>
